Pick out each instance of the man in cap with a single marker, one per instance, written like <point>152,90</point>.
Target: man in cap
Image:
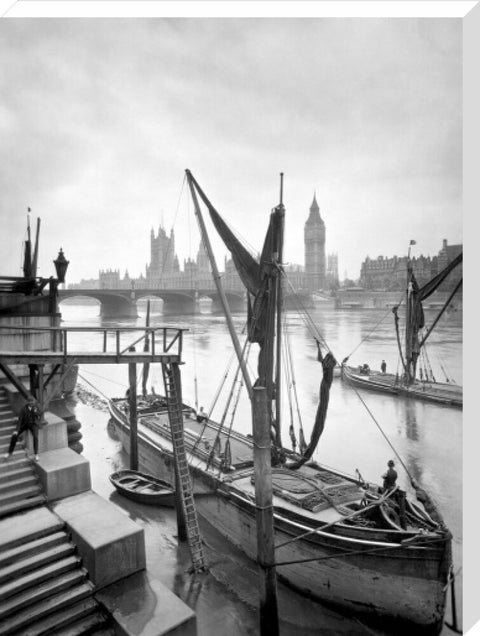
<point>28,420</point>
<point>390,477</point>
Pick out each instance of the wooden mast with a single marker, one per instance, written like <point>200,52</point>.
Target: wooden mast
<point>269,624</point>
<point>217,279</point>
<point>279,282</point>
<point>35,251</point>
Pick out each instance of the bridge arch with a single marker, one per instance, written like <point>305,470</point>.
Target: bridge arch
<point>112,304</point>
<point>174,301</point>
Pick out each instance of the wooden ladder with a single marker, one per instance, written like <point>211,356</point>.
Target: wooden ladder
<point>173,394</point>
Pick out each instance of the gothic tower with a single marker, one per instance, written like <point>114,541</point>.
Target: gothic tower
<point>314,234</point>
<point>162,256</point>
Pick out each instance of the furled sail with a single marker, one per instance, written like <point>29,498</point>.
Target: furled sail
<point>257,276</point>
<point>414,312</point>
<point>328,364</point>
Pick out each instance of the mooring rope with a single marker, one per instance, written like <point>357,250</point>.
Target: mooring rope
<point>94,387</point>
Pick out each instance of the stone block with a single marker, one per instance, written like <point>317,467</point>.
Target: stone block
<point>142,605</point>
<point>63,473</point>
<point>51,436</point>
<point>111,545</point>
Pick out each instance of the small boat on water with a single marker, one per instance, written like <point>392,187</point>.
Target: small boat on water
<point>407,384</point>
<point>363,548</point>
<point>143,488</point>
<point>374,380</point>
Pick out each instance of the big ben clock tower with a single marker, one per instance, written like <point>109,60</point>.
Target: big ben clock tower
<point>314,234</point>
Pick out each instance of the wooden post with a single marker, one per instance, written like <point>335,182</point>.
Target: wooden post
<point>33,379</point>
<point>40,389</point>
<point>263,498</point>
<point>132,402</point>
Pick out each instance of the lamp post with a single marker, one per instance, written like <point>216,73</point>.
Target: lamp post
<point>61,265</point>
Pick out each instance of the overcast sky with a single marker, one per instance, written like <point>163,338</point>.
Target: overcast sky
<point>100,117</point>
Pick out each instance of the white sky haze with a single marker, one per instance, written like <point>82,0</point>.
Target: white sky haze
<point>100,117</point>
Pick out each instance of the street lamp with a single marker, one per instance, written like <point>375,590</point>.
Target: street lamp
<point>61,265</point>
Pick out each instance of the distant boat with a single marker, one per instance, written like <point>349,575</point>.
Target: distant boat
<point>407,384</point>
<point>143,488</point>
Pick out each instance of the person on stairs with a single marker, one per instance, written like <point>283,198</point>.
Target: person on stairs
<point>28,420</point>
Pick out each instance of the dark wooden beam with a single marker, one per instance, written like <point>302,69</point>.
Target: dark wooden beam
<point>132,402</point>
<point>18,384</point>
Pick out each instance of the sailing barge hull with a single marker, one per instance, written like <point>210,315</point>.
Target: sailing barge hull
<point>402,585</point>
<point>439,392</point>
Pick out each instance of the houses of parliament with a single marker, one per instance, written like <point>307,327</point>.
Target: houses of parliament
<point>319,272</point>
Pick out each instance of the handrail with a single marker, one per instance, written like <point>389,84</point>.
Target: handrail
<point>167,340</point>
<point>93,329</point>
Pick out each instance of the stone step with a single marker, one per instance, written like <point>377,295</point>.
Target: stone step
<point>4,444</point>
<point>62,619</point>
<point>4,437</point>
<point>24,566</point>
<point>41,592</point>
<point>96,623</point>
<point>16,473</point>
<point>39,575</point>
<point>19,494</point>
<point>15,461</point>
<point>28,526</point>
<point>7,485</point>
<point>23,504</point>
<point>32,547</point>
<point>18,453</point>
<point>24,622</point>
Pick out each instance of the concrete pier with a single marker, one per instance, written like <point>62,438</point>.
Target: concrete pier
<point>111,545</point>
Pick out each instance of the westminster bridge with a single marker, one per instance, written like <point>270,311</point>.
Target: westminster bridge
<point>122,303</point>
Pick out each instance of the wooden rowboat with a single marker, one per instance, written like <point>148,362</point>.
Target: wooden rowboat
<point>143,488</point>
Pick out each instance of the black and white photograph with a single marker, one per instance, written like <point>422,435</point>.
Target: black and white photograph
<point>232,318</point>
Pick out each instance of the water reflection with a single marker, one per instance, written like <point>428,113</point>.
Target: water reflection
<point>411,420</point>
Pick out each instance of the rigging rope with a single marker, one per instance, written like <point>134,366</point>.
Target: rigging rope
<point>381,431</point>
<point>104,378</point>
<point>288,356</point>
<point>94,387</point>
<point>305,316</point>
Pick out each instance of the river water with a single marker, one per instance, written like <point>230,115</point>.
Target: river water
<point>363,431</point>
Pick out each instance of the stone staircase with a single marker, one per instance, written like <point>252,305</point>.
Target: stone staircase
<point>43,587</point>
<point>19,485</point>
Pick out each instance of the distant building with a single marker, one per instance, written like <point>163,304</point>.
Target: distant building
<point>163,260</point>
<point>163,271</point>
<point>109,279</point>
<point>446,256</point>
<point>314,240</point>
<point>390,274</point>
<point>331,276</point>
